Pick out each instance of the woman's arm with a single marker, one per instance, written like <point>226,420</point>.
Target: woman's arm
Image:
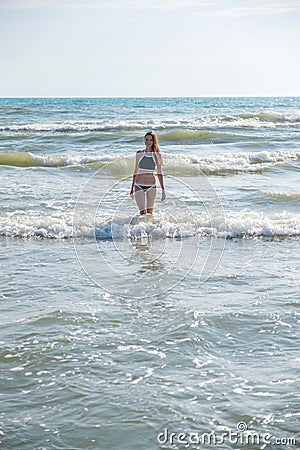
<point>134,175</point>
<point>161,182</point>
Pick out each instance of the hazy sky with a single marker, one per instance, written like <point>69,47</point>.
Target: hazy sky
<point>149,47</point>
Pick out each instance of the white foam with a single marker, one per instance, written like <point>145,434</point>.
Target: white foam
<point>247,223</point>
<point>174,163</point>
<point>70,160</point>
<point>228,162</point>
<point>282,195</point>
<point>259,119</point>
<point>187,164</point>
<point>238,224</point>
<point>33,224</point>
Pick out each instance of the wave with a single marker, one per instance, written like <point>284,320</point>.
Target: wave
<point>201,136</point>
<point>272,117</point>
<point>243,120</point>
<point>228,163</point>
<point>282,196</point>
<point>82,126</point>
<point>174,164</point>
<point>27,159</point>
<point>237,224</point>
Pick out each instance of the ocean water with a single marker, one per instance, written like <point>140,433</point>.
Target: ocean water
<point>171,332</point>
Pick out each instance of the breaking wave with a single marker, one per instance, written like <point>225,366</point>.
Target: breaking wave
<point>242,120</point>
<point>174,164</point>
<point>237,224</point>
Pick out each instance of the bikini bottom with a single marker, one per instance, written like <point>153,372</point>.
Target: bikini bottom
<point>145,187</point>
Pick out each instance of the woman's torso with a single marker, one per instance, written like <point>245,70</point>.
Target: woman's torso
<point>146,168</point>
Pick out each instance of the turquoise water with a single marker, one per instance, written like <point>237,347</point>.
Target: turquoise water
<point>120,333</point>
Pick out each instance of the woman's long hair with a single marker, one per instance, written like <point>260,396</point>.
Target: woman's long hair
<point>155,147</point>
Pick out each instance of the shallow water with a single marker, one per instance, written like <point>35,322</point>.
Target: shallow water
<point>117,332</point>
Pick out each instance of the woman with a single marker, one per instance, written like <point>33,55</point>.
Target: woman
<point>143,187</point>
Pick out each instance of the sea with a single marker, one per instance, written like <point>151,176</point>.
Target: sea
<point>173,331</point>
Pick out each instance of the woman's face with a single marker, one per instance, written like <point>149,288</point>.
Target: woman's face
<point>149,140</point>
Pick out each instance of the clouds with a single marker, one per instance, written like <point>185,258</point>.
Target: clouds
<point>204,8</point>
<point>259,9</point>
<point>108,4</point>
<point>149,47</point>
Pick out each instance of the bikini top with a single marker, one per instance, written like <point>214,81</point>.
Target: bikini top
<point>147,163</point>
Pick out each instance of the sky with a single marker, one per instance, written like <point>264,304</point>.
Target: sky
<point>149,48</point>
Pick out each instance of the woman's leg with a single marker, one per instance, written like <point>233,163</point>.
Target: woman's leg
<point>140,199</point>
<point>150,199</point>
